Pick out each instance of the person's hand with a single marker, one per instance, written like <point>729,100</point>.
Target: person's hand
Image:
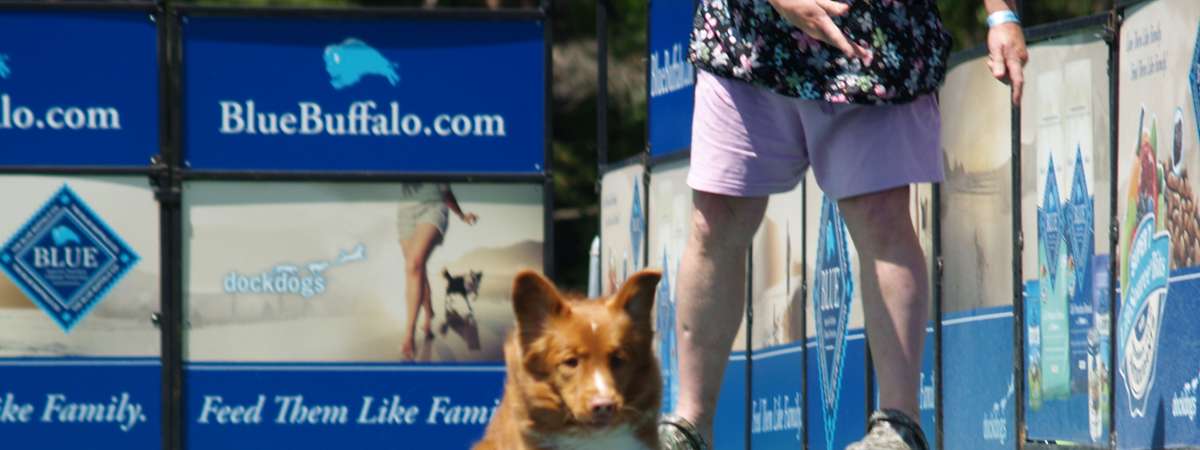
<point>470,218</point>
<point>1007,56</point>
<point>813,18</point>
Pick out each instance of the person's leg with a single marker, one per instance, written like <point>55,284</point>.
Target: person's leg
<point>416,253</point>
<point>712,297</point>
<point>427,305</point>
<point>894,292</point>
<point>747,143</point>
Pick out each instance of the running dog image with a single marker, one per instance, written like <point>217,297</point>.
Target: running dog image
<point>465,286</point>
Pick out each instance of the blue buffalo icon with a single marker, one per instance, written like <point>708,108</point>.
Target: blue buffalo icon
<point>353,59</point>
<point>4,70</point>
<point>63,235</point>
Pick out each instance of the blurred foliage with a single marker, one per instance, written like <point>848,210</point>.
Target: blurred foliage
<point>574,107</point>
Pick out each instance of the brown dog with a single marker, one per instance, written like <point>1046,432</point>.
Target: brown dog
<point>581,373</point>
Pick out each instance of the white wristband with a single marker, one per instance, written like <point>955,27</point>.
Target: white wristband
<point>1001,17</point>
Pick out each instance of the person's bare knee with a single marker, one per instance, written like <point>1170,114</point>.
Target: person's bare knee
<point>879,218</point>
<point>721,222</point>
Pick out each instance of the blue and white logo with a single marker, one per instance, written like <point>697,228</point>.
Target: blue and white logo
<point>833,292</point>
<point>1193,77</point>
<point>290,279</point>
<point>1050,230</point>
<point>4,70</point>
<point>1142,305</point>
<point>666,337</point>
<point>350,61</point>
<point>66,259</point>
<point>636,222</point>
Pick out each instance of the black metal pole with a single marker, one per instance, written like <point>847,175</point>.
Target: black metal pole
<point>602,84</point>
<point>1113,33</point>
<point>1018,290</point>
<point>938,265</point>
<point>748,400</point>
<point>804,313</point>
<point>168,193</point>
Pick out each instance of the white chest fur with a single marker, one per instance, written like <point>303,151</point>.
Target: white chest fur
<point>619,438</point>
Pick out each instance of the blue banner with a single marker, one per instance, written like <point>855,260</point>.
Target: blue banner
<point>672,77</point>
<point>978,375</point>
<point>776,398</point>
<point>364,95</point>
<point>324,405</point>
<point>85,94</point>
<point>729,426</point>
<point>74,403</point>
<point>1165,413</point>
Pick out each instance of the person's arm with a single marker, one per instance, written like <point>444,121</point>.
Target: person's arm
<point>452,203</point>
<point>1006,49</point>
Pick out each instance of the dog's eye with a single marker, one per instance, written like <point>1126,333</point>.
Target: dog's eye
<point>571,362</point>
<point>615,361</point>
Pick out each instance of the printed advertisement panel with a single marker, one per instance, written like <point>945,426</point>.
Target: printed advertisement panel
<point>310,94</point>
<point>672,77</point>
<point>622,225</point>
<point>79,354</point>
<point>977,236</point>
<point>1065,217</point>
<point>670,213</point>
<point>1158,364</point>
<point>292,288</point>
<point>84,95</point>
<point>836,346</point>
<point>777,334</point>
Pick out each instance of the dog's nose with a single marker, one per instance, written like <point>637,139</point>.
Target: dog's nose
<point>603,408</point>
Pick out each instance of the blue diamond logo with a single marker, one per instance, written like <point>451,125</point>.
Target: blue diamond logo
<point>833,293</point>
<point>636,221</point>
<point>66,258</point>
<point>1050,222</point>
<point>1194,78</point>
<point>666,336</point>
<point>1080,222</point>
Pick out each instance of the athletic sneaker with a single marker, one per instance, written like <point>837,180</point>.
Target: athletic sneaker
<point>891,430</point>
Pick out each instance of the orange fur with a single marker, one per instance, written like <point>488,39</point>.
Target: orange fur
<point>567,355</point>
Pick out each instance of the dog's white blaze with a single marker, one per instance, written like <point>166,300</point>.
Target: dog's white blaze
<point>601,387</point>
<point>619,438</point>
<point>593,326</point>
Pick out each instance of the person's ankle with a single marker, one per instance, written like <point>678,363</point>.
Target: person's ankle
<point>702,421</point>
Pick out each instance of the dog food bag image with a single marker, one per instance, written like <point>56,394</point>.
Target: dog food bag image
<point>1065,219</point>
<point>401,272</point>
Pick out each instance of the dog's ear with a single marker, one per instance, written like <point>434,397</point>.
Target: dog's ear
<point>636,296</point>
<point>535,299</point>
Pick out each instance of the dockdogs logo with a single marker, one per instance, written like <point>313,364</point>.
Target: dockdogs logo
<point>354,63</point>
<point>833,292</point>
<point>66,259</point>
<point>636,223</point>
<point>289,279</point>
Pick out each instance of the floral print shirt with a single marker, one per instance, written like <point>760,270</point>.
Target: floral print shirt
<point>748,40</point>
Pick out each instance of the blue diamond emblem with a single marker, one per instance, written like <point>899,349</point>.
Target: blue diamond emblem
<point>636,221</point>
<point>66,258</point>
<point>833,293</point>
<point>1194,78</point>
<point>1050,222</point>
<point>1080,221</point>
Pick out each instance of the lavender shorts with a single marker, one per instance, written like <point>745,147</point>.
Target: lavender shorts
<point>748,141</point>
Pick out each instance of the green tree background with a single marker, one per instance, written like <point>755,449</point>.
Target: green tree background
<point>575,82</point>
